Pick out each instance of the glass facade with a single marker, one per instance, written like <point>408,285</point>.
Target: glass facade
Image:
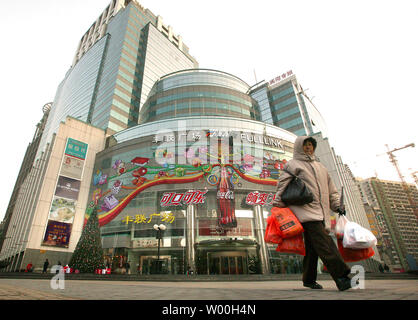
<point>137,56</point>
<point>286,109</point>
<point>109,83</point>
<point>168,172</point>
<point>199,92</point>
<point>117,70</point>
<point>286,105</point>
<point>76,93</point>
<point>262,97</point>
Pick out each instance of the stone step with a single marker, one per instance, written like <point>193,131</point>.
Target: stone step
<point>171,278</point>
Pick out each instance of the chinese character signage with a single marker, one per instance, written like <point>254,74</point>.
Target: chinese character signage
<point>146,243</point>
<point>281,77</point>
<point>166,217</point>
<point>194,163</point>
<point>177,199</point>
<point>260,198</point>
<point>209,227</point>
<point>76,149</point>
<point>57,234</point>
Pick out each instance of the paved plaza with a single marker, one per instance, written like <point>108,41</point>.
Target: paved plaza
<point>40,289</point>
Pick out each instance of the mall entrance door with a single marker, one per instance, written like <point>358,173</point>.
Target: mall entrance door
<point>147,264</point>
<point>227,262</point>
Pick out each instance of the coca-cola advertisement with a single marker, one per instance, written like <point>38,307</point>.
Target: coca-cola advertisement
<point>226,201</point>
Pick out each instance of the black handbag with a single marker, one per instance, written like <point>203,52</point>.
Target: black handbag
<point>296,192</point>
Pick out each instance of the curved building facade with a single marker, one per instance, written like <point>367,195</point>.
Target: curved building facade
<point>210,179</point>
<point>199,92</point>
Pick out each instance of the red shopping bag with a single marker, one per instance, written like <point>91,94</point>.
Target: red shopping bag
<point>286,222</point>
<point>354,255</point>
<point>272,235</point>
<point>292,245</point>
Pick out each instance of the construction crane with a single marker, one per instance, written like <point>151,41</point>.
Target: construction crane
<point>413,174</point>
<point>404,184</point>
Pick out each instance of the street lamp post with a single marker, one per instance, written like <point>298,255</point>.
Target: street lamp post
<point>160,230</point>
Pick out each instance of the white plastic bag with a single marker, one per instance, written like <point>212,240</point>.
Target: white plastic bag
<point>339,227</point>
<point>357,237</point>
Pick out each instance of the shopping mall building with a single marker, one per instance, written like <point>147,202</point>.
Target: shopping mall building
<point>137,127</point>
<point>199,132</point>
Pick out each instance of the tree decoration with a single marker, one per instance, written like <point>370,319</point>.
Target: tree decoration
<point>88,255</point>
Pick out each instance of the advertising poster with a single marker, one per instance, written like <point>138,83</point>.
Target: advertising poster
<point>72,167</point>
<point>62,210</point>
<point>67,188</point>
<point>57,234</point>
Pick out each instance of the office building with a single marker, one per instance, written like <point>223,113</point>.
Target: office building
<point>47,217</point>
<point>117,61</point>
<point>25,169</point>
<point>378,225</point>
<point>396,220</point>
<point>284,103</point>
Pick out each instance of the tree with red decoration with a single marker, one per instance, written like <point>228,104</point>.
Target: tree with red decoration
<point>88,255</point>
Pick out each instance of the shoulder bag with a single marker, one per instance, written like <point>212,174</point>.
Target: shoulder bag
<point>296,192</point>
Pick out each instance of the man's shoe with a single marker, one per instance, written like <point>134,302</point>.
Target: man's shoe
<point>313,285</point>
<point>343,283</point>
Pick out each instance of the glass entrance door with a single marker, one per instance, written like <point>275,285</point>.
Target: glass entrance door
<point>147,264</point>
<point>227,263</point>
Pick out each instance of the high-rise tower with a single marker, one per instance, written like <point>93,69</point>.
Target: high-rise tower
<point>117,61</point>
<point>396,219</point>
<point>284,103</point>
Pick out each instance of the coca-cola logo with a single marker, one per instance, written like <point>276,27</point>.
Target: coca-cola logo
<point>229,195</point>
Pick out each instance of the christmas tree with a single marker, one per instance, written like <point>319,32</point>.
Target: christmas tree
<point>88,255</point>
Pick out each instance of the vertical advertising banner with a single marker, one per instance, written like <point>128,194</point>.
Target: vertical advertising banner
<point>57,234</point>
<point>62,210</point>
<point>72,167</point>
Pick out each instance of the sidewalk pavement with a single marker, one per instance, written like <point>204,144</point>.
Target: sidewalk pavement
<point>40,289</point>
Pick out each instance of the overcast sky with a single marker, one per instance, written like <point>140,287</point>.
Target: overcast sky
<point>358,60</point>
